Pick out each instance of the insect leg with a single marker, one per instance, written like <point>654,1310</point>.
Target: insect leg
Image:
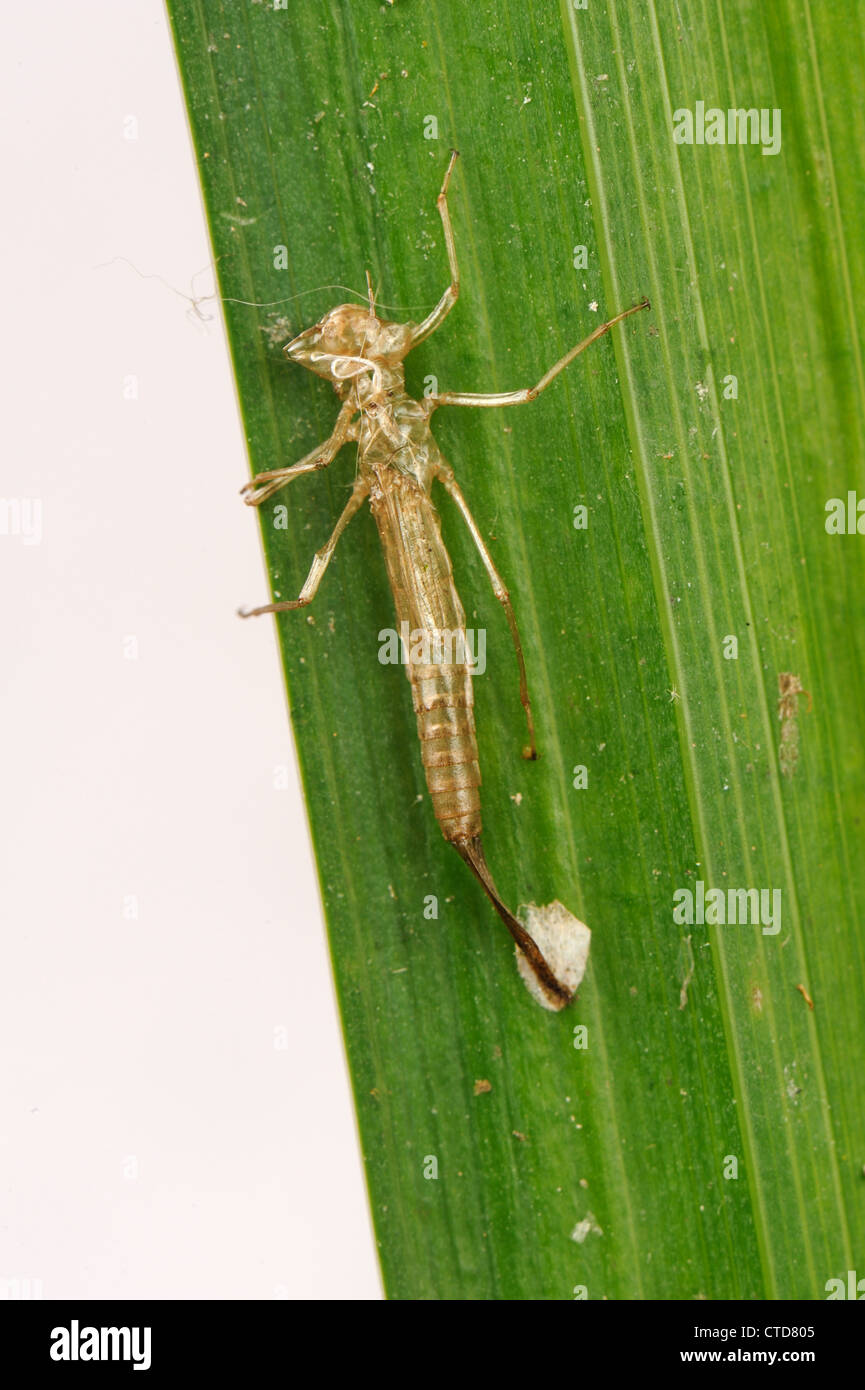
<point>320,562</point>
<point>264,485</point>
<point>451,294</point>
<point>446,477</point>
<point>529,393</point>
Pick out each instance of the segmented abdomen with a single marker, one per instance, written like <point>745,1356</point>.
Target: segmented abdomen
<point>427,603</point>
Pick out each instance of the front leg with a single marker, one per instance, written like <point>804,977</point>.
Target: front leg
<point>253,493</point>
<point>451,294</point>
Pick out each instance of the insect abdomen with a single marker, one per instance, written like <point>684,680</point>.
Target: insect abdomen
<point>442,698</point>
<point>432,622</point>
<point>428,608</point>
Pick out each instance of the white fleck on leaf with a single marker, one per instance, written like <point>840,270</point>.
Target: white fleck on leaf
<point>564,942</point>
<point>587,1227</point>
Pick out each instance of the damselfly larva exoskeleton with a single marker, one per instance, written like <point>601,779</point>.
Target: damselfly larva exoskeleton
<point>397,462</point>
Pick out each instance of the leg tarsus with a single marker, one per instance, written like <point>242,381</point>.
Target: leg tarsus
<point>273,608</point>
<point>253,493</point>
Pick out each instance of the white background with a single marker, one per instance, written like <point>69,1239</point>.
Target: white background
<point>175,1118</point>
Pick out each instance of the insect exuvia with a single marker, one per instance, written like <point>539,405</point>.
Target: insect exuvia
<point>397,462</point>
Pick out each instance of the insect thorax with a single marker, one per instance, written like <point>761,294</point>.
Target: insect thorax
<point>395,435</point>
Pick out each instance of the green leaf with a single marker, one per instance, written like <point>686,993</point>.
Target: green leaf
<point>706,514</point>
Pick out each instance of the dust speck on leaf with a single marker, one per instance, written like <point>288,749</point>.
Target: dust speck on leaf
<point>585,1228</point>
<point>806,996</point>
<point>789,689</point>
